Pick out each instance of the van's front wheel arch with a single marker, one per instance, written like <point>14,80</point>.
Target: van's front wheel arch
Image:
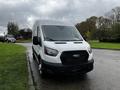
<point>42,70</point>
<point>41,67</point>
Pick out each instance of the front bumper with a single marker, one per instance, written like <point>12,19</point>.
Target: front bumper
<point>67,69</point>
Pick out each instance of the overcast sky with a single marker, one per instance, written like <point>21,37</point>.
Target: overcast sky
<point>24,12</point>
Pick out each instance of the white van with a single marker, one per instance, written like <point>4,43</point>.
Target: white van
<point>58,47</point>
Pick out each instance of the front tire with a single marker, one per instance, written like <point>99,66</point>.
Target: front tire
<point>40,66</point>
<point>34,56</point>
<point>42,71</point>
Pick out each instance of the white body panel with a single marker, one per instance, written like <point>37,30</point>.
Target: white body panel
<point>68,46</point>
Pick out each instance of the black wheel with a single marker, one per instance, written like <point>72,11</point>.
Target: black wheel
<point>42,71</point>
<point>8,41</point>
<point>33,56</point>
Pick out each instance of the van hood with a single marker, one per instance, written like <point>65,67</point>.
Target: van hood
<point>67,45</point>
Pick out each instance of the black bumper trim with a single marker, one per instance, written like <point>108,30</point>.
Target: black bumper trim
<point>67,69</point>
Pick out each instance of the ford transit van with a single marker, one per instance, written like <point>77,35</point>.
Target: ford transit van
<point>58,47</point>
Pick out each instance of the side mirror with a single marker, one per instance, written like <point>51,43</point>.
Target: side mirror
<point>35,40</point>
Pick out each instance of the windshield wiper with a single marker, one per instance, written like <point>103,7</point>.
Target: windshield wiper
<point>70,40</point>
<point>49,39</point>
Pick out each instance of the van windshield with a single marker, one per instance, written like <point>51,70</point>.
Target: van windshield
<point>61,33</point>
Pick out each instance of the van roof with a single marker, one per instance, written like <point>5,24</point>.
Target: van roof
<point>53,22</point>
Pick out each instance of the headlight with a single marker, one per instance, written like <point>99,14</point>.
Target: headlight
<point>50,51</point>
<point>90,50</point>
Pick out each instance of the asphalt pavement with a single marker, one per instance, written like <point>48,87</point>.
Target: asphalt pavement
<point>105,76</point>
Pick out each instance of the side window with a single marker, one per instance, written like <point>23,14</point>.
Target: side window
<point>39,35</point>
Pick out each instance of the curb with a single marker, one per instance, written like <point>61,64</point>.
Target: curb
<point>106,49</point>
<point>31,82</point>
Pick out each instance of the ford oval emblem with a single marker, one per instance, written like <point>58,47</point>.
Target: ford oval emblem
<point>76,55</point>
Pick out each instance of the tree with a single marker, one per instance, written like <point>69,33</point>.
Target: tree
<point>109,26</point>
<point>103,27</point>
<point>88,27</point>
<point>82,27</point>
<point>116,32</point>
<point>12,28</point>
<point>26,33</point>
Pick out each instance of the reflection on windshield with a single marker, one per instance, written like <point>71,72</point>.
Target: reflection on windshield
<point>61,33</point>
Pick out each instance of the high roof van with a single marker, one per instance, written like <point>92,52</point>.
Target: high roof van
<point>58,47</point>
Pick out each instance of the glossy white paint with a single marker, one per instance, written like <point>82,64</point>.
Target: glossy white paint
<point>68,46</point>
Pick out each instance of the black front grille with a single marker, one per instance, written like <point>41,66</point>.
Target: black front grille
<point>74,57</point>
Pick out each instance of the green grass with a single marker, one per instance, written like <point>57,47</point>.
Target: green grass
<point>105,45</point>
<point>13,67</point>
<point>24,41</point>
